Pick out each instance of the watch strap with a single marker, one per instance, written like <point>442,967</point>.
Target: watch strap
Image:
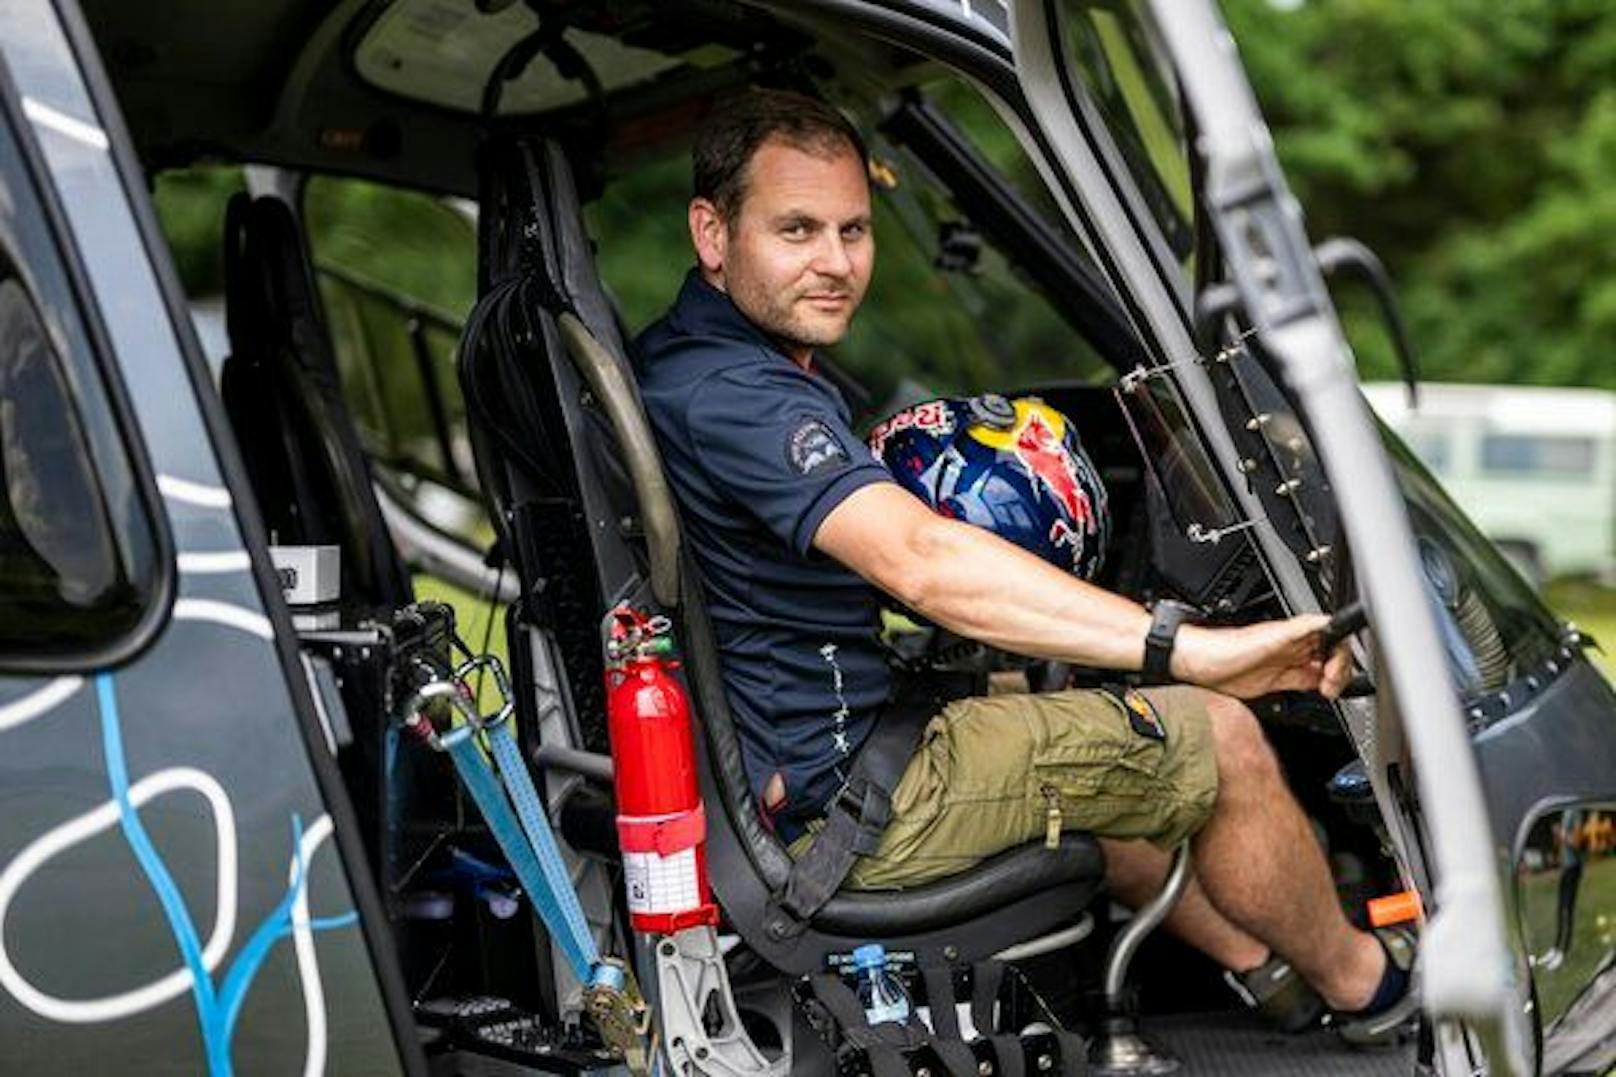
<point>1165,619</point>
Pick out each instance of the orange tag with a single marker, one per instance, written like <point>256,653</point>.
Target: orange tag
<point>1142,716</point>
<point>1394,909</point>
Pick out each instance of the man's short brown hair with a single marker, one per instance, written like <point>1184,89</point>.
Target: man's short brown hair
<point>740,125</point>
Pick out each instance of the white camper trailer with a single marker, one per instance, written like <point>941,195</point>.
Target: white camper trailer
<point>1535,468</point>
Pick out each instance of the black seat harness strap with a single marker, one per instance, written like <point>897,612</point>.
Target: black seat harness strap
<point>886,1046</point>
<point>854,820</point>
<point>1008,1051</point>
<point>987,977</point>
<point>949,1043</point>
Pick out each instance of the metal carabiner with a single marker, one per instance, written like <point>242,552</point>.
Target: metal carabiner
<point>502,684</point>
<point>416,721</point>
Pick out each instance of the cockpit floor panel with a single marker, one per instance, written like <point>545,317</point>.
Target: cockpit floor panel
<point>1235,1045</point>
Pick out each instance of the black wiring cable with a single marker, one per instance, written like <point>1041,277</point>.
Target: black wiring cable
<point>488,630</point>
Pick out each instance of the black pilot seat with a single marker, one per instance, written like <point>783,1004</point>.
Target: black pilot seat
<point>553,406</point>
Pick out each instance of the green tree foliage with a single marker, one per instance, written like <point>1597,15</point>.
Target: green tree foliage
<point>1471,143</point>
<point>190,206</point>
<point>404,241</point>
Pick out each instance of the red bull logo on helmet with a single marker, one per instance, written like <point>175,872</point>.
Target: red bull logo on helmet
<point>1043,453</point>
<point>932,416</point>
<point>1013,467</point>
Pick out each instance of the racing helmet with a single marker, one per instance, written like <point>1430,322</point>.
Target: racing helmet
<point>1015,467</point>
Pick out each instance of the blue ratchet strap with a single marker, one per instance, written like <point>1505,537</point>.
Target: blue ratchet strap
<point>529,809</point>
<point>528,845</point>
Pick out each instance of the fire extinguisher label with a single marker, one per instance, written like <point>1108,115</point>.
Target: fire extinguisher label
<point>661,884</point>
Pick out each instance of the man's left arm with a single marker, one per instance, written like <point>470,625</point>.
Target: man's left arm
<point>980,586</point>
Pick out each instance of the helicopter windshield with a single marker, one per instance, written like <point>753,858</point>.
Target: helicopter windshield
<point>1501,640</point>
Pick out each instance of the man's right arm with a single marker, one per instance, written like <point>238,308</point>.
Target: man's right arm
<point>980,586</point>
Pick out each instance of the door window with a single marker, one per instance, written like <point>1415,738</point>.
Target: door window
<point>950,310</point>
<point>1565,891</point>
<point>79,549</point>
<point>947,307</point>
<point>190,205</point>
<point>397,273</point>
<point>1111,49</point>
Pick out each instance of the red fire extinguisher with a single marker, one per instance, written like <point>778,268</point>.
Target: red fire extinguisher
<point>661,826</point>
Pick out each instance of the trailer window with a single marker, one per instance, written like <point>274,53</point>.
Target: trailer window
<point>1433,447</point>
<point>1536,454</point>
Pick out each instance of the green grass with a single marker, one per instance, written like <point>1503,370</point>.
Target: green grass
<point>1592,607</point>
<point>1595,925</point>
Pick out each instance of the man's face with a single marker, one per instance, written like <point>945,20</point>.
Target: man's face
<point>797,257</point>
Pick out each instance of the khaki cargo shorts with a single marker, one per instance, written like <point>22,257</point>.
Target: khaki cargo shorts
<point>994,772</point>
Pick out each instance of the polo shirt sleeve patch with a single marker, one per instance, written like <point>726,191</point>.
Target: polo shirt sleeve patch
<point>778,447</point>
<point>811,447</point>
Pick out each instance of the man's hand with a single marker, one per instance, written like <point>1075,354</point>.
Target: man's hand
<point>1274,656</point>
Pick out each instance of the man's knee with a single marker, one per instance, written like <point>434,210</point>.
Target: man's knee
<point>1243,752</point>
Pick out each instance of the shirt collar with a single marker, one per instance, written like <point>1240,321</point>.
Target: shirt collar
<point>705,311</point>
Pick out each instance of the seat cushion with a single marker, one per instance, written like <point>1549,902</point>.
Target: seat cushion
<point>977,891</point>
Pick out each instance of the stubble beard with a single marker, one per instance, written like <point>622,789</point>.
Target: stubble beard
<point>778,316</point>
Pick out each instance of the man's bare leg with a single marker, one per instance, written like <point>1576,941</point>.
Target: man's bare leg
<point>1135,872</point>
<point>1261,867</point>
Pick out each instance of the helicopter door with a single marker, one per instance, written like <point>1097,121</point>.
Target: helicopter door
<point>181,886</point>
<point>1117,89</point>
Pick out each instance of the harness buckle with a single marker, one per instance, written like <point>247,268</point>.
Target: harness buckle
<point>870,808</point>
<point>851,797</point>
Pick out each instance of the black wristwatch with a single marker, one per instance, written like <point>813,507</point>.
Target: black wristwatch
<point>1165,617</point>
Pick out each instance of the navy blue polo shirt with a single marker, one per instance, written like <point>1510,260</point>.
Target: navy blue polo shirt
<point>759,452</point>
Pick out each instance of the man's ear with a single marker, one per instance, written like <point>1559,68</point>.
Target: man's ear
<point>709,235</point>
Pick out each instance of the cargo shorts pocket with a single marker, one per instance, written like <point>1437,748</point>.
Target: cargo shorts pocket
<point>962,798</point>
<point>1147,776</point>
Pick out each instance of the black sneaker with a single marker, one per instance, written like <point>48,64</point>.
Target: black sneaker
<point>1397,1022</point>
<point>1278,994</point>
